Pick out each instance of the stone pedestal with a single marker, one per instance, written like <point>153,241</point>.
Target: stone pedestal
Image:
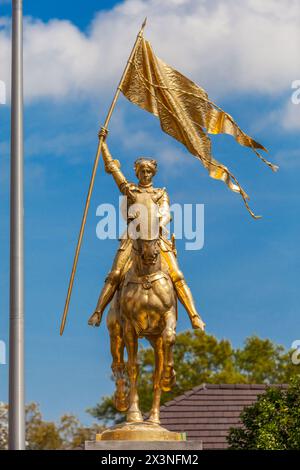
<point>141,436</point>
<point>179,446</point>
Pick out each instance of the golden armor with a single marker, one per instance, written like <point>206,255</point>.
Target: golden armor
<point>145,170</point>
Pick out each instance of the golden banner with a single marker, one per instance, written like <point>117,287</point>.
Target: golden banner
<point>185,112</point>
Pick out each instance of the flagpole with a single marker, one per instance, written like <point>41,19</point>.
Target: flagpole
<point>16,324</point>
<point>87,204</point>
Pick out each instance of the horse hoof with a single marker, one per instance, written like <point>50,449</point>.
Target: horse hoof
<point>168,381</point>
<point>121,402</point>
<point>134,417</point>
<point>95,319</point>
<point>153,419</point>
<point>165,386</point>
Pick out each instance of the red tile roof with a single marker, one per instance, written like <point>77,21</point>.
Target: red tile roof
<point>207,412</point>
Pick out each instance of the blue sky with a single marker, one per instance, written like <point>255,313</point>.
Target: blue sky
<point>244,280</point>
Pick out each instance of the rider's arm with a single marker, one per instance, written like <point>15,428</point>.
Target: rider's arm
<point>113,167</point>
<point>164,209</point>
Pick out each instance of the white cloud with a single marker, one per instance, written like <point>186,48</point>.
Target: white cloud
<point>290,119</point>
<point>226,46</point>
<point>287,116</point>
<point>65,144</point>
<point>288,159</point>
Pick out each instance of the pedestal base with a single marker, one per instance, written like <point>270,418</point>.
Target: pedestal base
<point>144,431</point>
<point>141,436</point>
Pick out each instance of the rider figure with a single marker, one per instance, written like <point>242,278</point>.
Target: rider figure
<point>145,170</point>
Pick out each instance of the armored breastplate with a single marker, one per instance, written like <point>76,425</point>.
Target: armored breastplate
<point>143,216</point>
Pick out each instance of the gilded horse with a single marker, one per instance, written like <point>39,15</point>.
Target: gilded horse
<point>145,306</point>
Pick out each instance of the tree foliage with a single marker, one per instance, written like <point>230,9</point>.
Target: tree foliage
<point>201,358</point>
<point>68,433</point>
<point>272,422</point>
<point>3,425</point>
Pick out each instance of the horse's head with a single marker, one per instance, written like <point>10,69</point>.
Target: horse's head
<point>148,251</point>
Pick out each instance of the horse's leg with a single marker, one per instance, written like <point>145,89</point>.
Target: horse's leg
<point>168,379</point>
<point>117,351</point>
<point>157,344</point>
<point>131,342</point>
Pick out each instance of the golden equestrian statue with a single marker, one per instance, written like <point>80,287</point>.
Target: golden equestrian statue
<point>143,286</point>
<point>145,281</point>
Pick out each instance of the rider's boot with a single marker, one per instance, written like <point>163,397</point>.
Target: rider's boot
<point>105,298</point>
<point>185,296</point>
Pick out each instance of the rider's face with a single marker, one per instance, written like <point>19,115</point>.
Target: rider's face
<point>145,174</point>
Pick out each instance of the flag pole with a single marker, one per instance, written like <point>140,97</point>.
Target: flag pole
<point>16,420</point>
<point>90,190</point>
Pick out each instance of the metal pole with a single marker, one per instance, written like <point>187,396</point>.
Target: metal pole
<point>16,325</point>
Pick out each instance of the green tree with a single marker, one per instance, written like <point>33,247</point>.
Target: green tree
<point>73,434</point>
<point>261,361</point>
<point>272,422</point>
<point>68,433</point>
<point>40,434</point>
<point>201,358</point>
<point>3,425</point>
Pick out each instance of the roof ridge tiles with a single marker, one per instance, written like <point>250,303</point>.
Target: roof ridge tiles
<point>207,386</point>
